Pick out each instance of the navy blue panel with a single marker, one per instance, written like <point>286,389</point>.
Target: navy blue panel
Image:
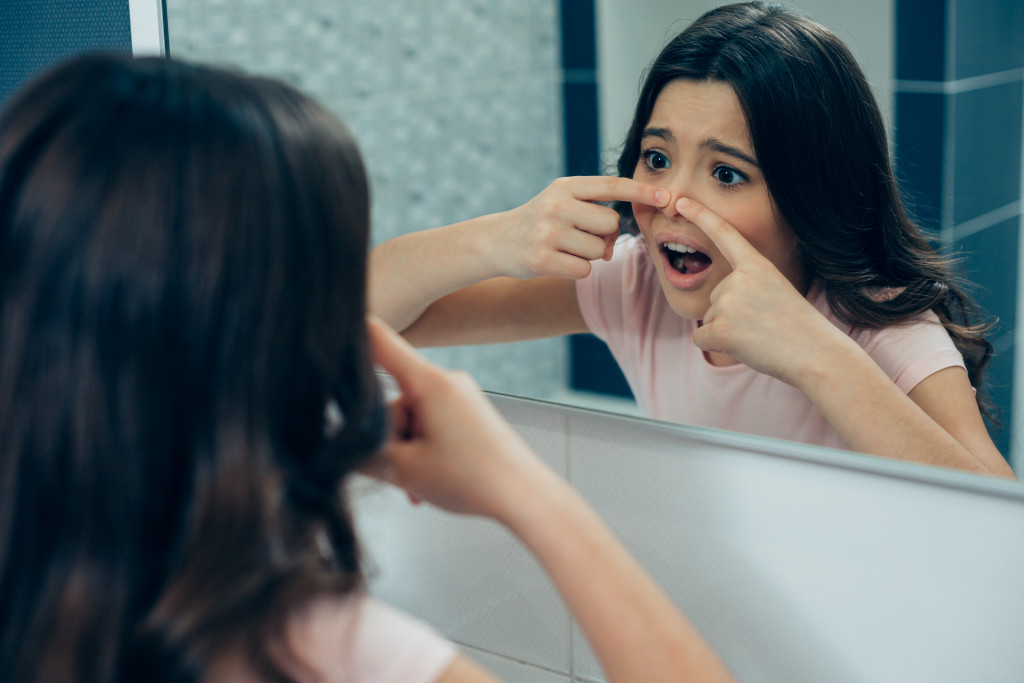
<point>579,34</point>
<point>918,136</point>
<point>991,264</point>
<point>36,34</point>
<point>998,389</point>
<point>988,37</point>
<point>920,40</point>
<point>594,369</point>
<point>987,149</point>
<point>581,134</point>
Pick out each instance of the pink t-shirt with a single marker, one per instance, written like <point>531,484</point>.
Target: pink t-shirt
<point>623,305</point>
<point>360,640</point>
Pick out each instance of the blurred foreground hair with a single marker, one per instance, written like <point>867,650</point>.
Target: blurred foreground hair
<point>182,276</point>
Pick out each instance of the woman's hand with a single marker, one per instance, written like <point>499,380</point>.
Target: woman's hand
<point>756,315</point>
<point>451,447</point>
<point>455,451</point>
<point>561,230</point>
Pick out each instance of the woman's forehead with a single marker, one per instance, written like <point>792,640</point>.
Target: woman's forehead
<point>699,110</point>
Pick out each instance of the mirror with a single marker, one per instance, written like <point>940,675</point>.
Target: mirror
<point>458,108</point>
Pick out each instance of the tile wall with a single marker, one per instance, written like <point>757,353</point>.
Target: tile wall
<point>798,564</point>
<point>456,104</point>
<point>35,35</point>
<point>959,116</point>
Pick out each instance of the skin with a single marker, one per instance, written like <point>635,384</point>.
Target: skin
<point>697,145</point>
<point>452,449</point>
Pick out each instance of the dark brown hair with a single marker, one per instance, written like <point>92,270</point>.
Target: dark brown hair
<point>182,275</point>
<point>821,144</point>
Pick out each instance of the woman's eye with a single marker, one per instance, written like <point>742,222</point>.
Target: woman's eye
<point>656,160</point>
<point>728,176</point>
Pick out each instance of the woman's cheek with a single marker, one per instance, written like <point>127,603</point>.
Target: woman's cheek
<point>642,213</point>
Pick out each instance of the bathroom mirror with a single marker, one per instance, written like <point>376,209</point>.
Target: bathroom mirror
<point>458,108</point>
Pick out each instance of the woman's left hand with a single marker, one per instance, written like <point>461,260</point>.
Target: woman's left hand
<point>756,315</point>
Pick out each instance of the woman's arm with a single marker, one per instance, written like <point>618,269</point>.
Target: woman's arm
<point>504,276</point>
<point>938,423</point>
<point>760,319</point>
<point>455,451</point>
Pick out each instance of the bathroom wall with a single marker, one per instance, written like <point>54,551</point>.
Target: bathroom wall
<point>35,35</point>
<point>798,564</point>
<point>456,105</point>
<point>959,103</point>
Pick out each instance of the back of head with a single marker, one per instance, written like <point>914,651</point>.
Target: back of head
<point>182,275</point>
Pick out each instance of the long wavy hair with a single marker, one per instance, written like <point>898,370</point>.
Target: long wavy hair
<point>182,275</point>
<point>821,144</point>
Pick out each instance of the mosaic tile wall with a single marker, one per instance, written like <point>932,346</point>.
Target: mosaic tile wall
<point>456,104</point>
<point>36,35</point>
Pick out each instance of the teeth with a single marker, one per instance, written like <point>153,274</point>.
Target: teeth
<point>681,248</point>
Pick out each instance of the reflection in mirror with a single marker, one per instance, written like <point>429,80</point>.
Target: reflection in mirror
<point>457,127</point>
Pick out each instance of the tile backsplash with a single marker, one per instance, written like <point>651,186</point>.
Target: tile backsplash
<point>456,106</point>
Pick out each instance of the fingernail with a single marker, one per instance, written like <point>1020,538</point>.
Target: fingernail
<point>661,196</point>
<point>682,203</point>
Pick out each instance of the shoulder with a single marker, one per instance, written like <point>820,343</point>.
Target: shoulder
<point>628,275</point>
<point>620,292</point>
<point>358,638</point>
<point>912,351</point>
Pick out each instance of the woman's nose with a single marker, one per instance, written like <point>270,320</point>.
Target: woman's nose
<point>677,188</point>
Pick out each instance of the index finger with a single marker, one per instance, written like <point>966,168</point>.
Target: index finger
<point>397,357</point>
<point>615,189</point>
<point>728,239</point>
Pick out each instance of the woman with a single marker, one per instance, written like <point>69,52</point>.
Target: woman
<point>186,384</point>
<point>775,287</point>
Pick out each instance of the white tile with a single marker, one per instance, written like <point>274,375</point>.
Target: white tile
<point>466,576</point>
<point>831,567</point>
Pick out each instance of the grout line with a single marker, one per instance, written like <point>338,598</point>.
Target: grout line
<point>1016,454</point>
<point>579,75</point>
<point>570,637</point>
<point>986,220</point>
<point>956,87</point>
<point>497,655</point>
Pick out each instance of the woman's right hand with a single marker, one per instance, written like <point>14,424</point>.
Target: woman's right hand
<point>453,449</point>
<point>561,230</point>
<point>450,446</point>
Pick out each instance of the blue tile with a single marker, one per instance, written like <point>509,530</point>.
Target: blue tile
<point>918,136</point>
<point>987,153</point>
<point>920,40</point>
<point>581,134</point>
<point>579,35</point>
<point>990,263</point>
<point>988,37</point>
<point>593,368</point>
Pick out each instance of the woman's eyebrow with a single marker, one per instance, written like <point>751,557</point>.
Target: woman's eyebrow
<point>663,133</point>
<point>722,148</point>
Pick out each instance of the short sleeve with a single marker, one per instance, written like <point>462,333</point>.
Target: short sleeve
<point>608,296</point>
<point>910,353</point>
<point>393,647</point>
<point>360,639</point>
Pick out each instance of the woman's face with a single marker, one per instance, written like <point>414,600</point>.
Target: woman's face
<point>697,145</point>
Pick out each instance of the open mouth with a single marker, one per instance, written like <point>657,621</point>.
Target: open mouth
<point>685,259</point>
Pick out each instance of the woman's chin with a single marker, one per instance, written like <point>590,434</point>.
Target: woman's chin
<point>688,306</point>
